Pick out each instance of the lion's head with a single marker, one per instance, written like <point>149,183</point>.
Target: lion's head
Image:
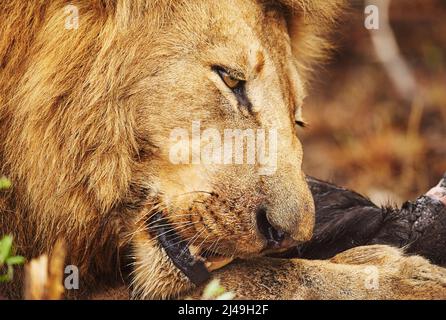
<point>114,129</point>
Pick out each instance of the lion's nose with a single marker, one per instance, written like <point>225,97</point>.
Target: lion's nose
<point>274,236</point>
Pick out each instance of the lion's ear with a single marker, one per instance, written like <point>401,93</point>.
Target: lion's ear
<point>310,22</point>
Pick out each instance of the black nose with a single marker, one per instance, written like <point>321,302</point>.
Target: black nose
<point>273,236</point>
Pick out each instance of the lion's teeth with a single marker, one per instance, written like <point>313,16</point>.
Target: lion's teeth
<point>217,263</point>
<point>211,263</point>
<point>194,250</point>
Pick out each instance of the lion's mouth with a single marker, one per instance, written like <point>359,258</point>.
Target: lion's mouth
<point>187,259</point>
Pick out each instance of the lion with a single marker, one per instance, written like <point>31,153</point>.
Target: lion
<point>87,112</point>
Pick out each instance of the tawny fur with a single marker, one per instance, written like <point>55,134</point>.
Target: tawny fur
<point>85,115</point>
<point>373,272</point>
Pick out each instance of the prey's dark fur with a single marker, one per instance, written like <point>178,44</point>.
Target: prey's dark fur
<point>346,219</point>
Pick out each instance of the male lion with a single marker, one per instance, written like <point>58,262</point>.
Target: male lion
<point>86,115</point>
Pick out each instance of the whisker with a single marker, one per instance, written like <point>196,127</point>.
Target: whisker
<point>144,224</point>
<point>192,192</point>
<point>233,252</point>
<point>153,211</point>
<point>172,230</point>
<point>175,228</point>
<point>213,247</point>
<point>195,237</point>
<point>170,224</point>
<point>171,217</point>
<point>184,240</point>
<point>179,227</point>
<point>202,242</point>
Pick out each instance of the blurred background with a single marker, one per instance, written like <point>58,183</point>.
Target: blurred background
<point>377,122</point>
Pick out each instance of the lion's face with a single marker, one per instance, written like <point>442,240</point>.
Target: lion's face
<point>229,68</point>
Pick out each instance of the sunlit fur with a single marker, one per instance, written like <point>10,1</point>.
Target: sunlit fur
<point>85,117</point>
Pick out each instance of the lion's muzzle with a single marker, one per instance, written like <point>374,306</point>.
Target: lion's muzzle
<point>287,218</point>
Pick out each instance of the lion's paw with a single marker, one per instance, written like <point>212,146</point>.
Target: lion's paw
<point>397,276</point>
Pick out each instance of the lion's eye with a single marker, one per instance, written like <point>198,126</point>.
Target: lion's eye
<point>231,81</point>
<point>301,123</point>
<point>235,80</point>
<point>299,118</point>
